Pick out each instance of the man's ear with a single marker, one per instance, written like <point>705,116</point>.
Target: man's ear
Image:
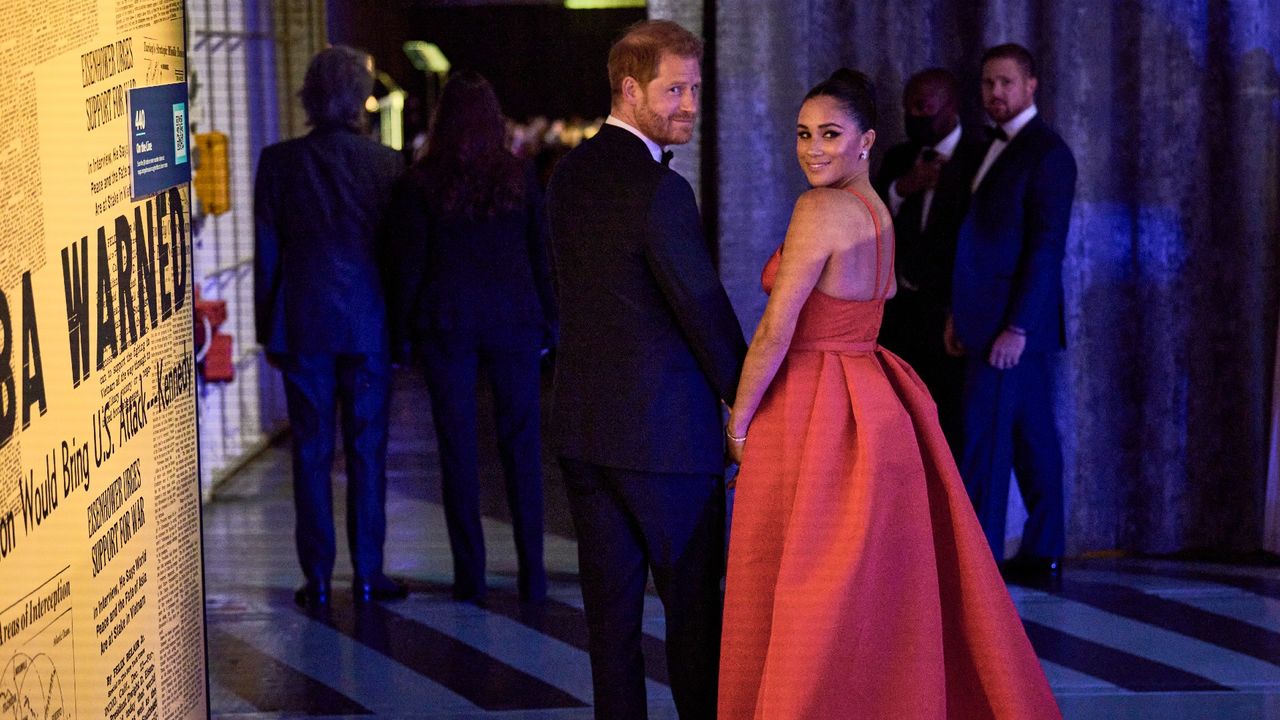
<point>630,89</point>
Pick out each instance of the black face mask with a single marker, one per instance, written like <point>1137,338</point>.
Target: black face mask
<point>920,129</point>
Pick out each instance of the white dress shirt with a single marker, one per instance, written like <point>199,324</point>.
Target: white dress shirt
<point>1011,128</point>
<point>946,147</point>
<point>654,148</point>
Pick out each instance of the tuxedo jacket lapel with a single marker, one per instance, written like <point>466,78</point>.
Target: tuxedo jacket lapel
<point>624,144</point>
<point>1010,156</point>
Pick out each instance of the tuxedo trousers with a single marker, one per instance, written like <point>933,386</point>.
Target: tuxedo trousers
<point>629,524</point>
<point>1009,424</point>
<point>315,385</point>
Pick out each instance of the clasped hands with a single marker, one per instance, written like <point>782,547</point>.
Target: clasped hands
<point>922,176</point>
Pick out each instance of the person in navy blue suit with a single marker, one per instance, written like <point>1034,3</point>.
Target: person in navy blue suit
<point>1007,315</point>
<point>649,350</point>
<point>319,205</point>
<point>472,293</point>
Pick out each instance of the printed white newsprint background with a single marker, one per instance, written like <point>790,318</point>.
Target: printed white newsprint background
<point>100,561</point>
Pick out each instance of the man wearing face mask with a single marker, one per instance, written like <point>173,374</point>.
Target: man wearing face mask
<point>925,183</point>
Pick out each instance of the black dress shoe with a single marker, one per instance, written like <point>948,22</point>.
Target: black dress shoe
<point>475,597</point>
<point>312,595</point>
<point>532,586</point>
<point>378,588</point>
<point>1041,573</point>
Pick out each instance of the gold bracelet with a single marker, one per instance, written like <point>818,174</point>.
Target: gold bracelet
<point>735,439</point>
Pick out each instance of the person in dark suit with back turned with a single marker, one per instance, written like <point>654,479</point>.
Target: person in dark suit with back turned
<point>472,290</point>
<point>1007,316</point>
<point>925,183</point>
<point>319,203</point>
<point>650,348</point>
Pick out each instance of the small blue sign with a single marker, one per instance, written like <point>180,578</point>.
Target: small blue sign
<point>158,138</point>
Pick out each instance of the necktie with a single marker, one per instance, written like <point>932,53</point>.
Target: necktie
<point>995,132</point>
<point>928,154</point>
<point>666,157</point>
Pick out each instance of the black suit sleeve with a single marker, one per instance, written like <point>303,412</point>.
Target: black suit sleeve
<point>1047,212</point>
<point>896,163</point>
<point>538,235</point>
<point>266,248</point>
<point>681,261</point>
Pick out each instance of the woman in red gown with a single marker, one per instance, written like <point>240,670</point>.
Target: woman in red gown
<point>859,582</point>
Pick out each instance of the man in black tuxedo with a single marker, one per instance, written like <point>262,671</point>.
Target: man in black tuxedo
<point>649,348</point>
<point>925,183</point>
<point>1007,307</point>
<point>319,201</point>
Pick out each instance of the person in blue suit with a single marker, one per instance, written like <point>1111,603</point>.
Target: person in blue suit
<point>472,294</point>
<point>1007,315</point>
<point>649,349</point>
<point>319,205</point>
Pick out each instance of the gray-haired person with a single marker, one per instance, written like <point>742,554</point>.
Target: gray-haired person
<point>319,202</point>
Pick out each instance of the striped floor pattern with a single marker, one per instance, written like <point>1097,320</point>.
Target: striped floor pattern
<point>1127,638</point>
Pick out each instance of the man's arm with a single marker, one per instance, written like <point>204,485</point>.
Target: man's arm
<point>896,164</point>
<point>681,262</point>
<point>538,236</point>
<point>1047,214</point>
<point>266,248</point>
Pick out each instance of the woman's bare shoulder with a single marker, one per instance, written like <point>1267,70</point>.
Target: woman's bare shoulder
<point>823,199</point>
<point>832,214</point>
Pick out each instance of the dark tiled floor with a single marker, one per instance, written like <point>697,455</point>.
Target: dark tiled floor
<point>1124,639</point>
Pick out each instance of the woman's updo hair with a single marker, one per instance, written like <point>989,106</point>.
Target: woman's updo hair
<point>855,93</point>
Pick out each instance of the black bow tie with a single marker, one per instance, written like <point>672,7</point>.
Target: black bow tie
<point>928,154</point>
<point>666,158</point>
<point>995,132</point>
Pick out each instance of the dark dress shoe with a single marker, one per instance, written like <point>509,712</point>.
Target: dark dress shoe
<point>474,597</point>
<point>378,588</point>
<point>532,586</point>
<point>468,591</point>
<point>313,594</point>
<point>1040,573</point>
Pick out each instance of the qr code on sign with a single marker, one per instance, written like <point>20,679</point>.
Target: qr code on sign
<point>180,132</point>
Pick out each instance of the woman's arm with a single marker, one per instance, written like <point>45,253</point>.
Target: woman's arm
<point>814,233</point>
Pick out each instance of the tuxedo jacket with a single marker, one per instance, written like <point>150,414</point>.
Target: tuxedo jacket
<point>925,256</point>
<point>1008,266</point>
<point>319,205</point>
<point>649,343</point>
<point>463,274</point>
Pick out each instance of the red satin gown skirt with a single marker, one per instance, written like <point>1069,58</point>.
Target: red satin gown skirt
<point>860,584</point>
